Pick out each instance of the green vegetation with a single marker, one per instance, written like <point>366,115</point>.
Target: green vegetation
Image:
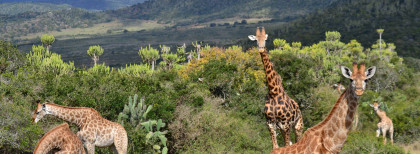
<point>16,8</point>
<point>213,104</point>
<point>358,19</point>
<point>94,52</point>
<point>47,41</point>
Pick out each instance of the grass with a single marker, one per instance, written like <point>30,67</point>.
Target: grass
<point>110,28</point>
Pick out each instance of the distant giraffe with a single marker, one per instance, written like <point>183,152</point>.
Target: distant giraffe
<point>280,110</point>
<point>94,130</point>
<point>62,138</point>
<point>385,124</point>
<point>339,87</point>
<point>329,135</point>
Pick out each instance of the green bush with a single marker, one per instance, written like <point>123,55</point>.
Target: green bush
<point>366,142</point>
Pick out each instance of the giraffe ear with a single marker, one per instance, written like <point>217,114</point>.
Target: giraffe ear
<point>266,36</point>
<point>43,106</point>
<point>370,72</point>
<point>252,37</point>
<point>371,105</point>
<point>346,72</point>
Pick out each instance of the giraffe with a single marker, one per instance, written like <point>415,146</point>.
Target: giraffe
<point>385,124</point>
<point>339,87</point>
<point>280,110</point>
<point>60,137</point>
<point>330,135</point>
<point>93,129</point>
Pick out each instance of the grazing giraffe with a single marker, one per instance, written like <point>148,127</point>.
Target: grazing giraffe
<point>385,124</point>
<point>60,137</point>
<point>94,130</point>
<point>330,135</point>
<point>280,110</point>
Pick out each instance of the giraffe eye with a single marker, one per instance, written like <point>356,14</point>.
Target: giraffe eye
<point>37,112</point>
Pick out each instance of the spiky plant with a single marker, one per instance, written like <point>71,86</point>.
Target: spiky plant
<point>134,112</point>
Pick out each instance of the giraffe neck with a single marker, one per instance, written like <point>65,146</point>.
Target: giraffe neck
<point>74,115</point>
<point>53,139</point>
<point>381,114</point>
<point>336,127</point>
<point>274,80</point>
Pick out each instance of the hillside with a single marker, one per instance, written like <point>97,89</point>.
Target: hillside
<point>197,11</point>
<point>16,8</point>
<point>90,4</point>
<point>12,26</point>
<point>173,13</point>
<point>359,19</point>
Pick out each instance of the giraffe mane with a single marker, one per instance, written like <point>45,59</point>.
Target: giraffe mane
<point>67,107</point>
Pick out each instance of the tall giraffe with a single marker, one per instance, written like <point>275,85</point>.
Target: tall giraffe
<point>60,137</point>
<point>385,124</point>
<point>330,135</point>
<point>94,130</point>
<point>280,110</point>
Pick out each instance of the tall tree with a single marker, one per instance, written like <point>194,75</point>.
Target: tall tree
<point>47,41</point>
<point>94,52</point>
<point>150,55</point>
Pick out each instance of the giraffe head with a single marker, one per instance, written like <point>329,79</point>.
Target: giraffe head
<point>260,37</point>
<point>358,77</point>
<point>375,106</point>
<point>39,112</point>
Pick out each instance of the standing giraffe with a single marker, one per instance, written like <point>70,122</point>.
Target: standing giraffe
<point>385,124</point>
<point>330,135</point>
<point>60,137</point>
<point>280,110</point>
<point>94,130</point>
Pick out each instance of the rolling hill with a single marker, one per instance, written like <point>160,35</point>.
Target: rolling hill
<point>185,12</point>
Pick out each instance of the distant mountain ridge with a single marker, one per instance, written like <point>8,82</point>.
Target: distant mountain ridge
<point>190,11</point>
<point>85,4</point>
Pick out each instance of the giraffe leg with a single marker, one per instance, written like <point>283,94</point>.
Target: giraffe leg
<point>90,147</point>
<point>271,127</point>
<point>287,137</point>
<point>378,131</point>
<point>384,134</point>
<point>299,129</point>
<point>391,134</point>
<point>121,141</point>
<point>285,131</point>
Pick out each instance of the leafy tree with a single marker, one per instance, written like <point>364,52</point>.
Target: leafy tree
<point>94,52</point>
<point>149,55</point>
<point>47,41</point>
<point>11,58</point>
<point>279,43</point>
